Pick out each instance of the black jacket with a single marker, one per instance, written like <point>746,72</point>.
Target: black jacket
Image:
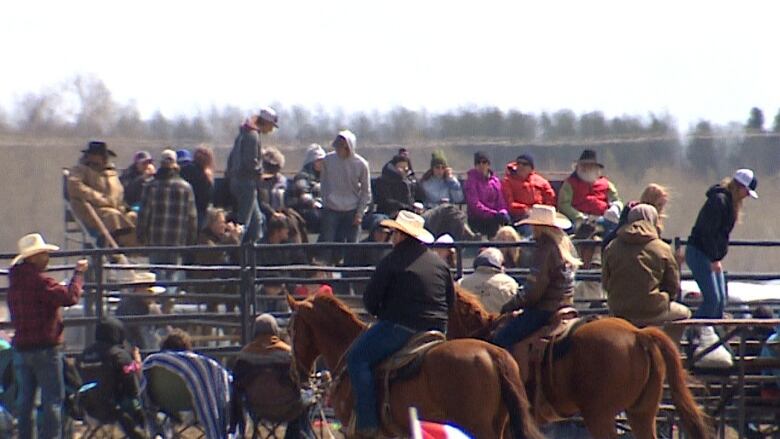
<point>412,287</point>
<point>202,187</point>
<point>108,363</point>
<point>716,219</point>
<point>304,189</point>
<point>394,192</point>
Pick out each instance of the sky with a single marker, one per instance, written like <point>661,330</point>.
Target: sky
<point>692,59</point>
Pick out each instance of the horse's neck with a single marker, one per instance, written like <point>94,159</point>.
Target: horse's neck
<point>335,344</point>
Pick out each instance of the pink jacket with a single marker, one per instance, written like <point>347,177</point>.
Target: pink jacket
<point>483,195</point>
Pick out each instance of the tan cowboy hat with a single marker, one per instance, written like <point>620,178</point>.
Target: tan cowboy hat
<point>543,215</point>
<point>30,245</point>
<point>411,224</point>
<point>147,278</point>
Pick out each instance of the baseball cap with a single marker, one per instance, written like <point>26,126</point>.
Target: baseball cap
<point>268,114</point>
<point>168,155</point>
<point>142,156</point>
<point>746,178</point>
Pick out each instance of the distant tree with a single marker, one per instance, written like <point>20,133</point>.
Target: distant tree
<point>564,125</point>
<point>593,124</point>
<point>701,154</point>
<point>776,123</point>
<point>39,113</point>
<point>491,123</point>
<point>129,122</point>
<point>160,127</point>
<point>756,121</point>
<point>97,109</point>
<point>520,126</point>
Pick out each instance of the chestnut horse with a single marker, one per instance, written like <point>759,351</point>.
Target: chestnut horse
<point>611,367</point>
<point>470,383</point>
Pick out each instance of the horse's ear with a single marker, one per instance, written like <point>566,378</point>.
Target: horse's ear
<point>292,303</point>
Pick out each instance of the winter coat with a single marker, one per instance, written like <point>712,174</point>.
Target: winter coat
<point>168,215</point>
<point>550,285</point>
<point>304,189</point>
<point>433,190</point>
<point>101,189</point>
<point>411,287</point>
<point>346,184</point>
<point>521,194</point>
<point>483,195</point>
<point>714,224</point>
<point>394,192</point>
<point>639,273</point>
<point>578,198</point>
<point>272,190</point>
<point>202,187</point>
<point>492,286</point>
<point>244,159</point>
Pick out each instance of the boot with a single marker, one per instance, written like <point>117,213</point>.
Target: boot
<point>719,358</point>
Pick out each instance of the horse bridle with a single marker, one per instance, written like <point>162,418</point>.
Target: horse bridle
<point>294,374</point>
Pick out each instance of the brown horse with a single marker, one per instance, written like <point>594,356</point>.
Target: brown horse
<point>611,367</point>
<point>471,383</point>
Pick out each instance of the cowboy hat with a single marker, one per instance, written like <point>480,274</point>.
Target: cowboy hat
<point>30,245</point>
<point>411,224</point>
<point>147,278</point>
<point>588,157</point>
<point>98,147</point>
<point>543,215</point>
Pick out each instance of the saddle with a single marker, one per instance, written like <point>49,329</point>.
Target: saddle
<point>402,365</point>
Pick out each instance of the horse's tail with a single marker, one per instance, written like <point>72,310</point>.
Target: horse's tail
<point>513,394</point>
<point>694,420</point>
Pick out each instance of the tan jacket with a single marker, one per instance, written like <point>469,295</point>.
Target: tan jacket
<point>492,286</point>
<point>104,192</point>
<point>639,273</point>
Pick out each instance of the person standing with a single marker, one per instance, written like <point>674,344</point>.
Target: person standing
<point>244,169</point>
<point>199,173</point>
<point>410,292</point>
<point>35,303</point>
<point>486,205</point>
<point>346,190</point>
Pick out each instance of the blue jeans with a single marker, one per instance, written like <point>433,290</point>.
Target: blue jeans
<point>40,368</point>
<point>379,342</point>
<point>338,226</point>
<point>522,327</point>
<point>711,284</point>
<point>248,209</point>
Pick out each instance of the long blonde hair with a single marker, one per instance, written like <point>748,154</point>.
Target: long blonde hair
<point>509,234</point>
<point>735,189</point>
<point>652,195</point>
<point>564,244</point>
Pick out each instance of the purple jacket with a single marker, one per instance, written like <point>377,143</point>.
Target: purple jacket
<point>483,195</point>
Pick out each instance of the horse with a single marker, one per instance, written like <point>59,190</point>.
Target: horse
<point>471,383</point>
<point>611,367</point>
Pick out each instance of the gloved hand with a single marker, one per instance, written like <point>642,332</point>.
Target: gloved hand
<point>504,217</point>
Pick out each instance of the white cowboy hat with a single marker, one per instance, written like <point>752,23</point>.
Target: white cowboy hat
<point>411,224</point>
<point>543,215</point>
<point>30,245</point>
<point>147,278</point>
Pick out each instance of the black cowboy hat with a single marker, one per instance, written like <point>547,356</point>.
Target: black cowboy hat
<point>588,157</point>
<point>98,147</point>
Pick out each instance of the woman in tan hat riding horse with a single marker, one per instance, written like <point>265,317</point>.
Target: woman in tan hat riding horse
<point>550,285</point>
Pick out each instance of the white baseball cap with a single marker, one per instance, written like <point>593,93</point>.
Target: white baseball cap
<point>747,178</point>
<point>268,114</point>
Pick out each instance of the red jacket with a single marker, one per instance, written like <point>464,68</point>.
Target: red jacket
<point>35,301</point>
<point>521,194</point>
<point>591,199</point>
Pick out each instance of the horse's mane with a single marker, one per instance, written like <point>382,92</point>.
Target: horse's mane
<point>330,305</point>
<point>471,306</point>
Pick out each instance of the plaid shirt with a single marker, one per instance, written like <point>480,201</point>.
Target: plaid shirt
<point>168,215</point>
<point>35,302</point>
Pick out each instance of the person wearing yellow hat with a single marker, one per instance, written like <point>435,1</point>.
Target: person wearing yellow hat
<point>550,285</point>
<point>410,292</point>
<point>34,301</point>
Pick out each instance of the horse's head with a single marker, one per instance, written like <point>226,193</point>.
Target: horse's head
<point>304,349</point>
<point>466,316</point>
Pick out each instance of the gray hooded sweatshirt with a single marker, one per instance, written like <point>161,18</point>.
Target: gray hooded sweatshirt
<point>345,182</point>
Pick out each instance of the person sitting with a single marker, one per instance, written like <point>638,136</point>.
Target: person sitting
<point>550,286</point>
<point>303,194</point>
<point>273,184</point>
<point>261,379</point>
<point>488,282</point>
<point>640,273</point>
<point>217,231</point>
<point>96,194</point>
<point>305,290</point>
<point>278,232</point>
<point>587,196</point>
<point>116,370</point>
<point>438,185</point>
<point>366,257</point>
<point>513,256</point>
<point>135,176</point>
<point>446,253</point>
<point>199,173</point>
<point>142,303</point>
<point>486,205</point>
<point>523,187</point>
<point>654,195</point>
<point>394,189</point>
<point>410,291</point>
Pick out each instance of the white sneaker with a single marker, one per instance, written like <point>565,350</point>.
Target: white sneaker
<point>719,358</point>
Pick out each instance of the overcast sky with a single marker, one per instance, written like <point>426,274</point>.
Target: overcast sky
<point>691,59</point>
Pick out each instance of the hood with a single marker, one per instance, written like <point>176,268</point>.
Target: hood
<point>349,136</point>
<point>474,173</point>
<point>717,189</point>
<point>313,153</point>
<point>389,171</point>
<point>110,331</point>
<point>638,232</point>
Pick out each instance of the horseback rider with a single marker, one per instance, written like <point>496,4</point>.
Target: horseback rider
<point>410,292</point>
<point>550,285</point>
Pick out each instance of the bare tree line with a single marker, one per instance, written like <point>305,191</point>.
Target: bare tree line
<point>85,107</point>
